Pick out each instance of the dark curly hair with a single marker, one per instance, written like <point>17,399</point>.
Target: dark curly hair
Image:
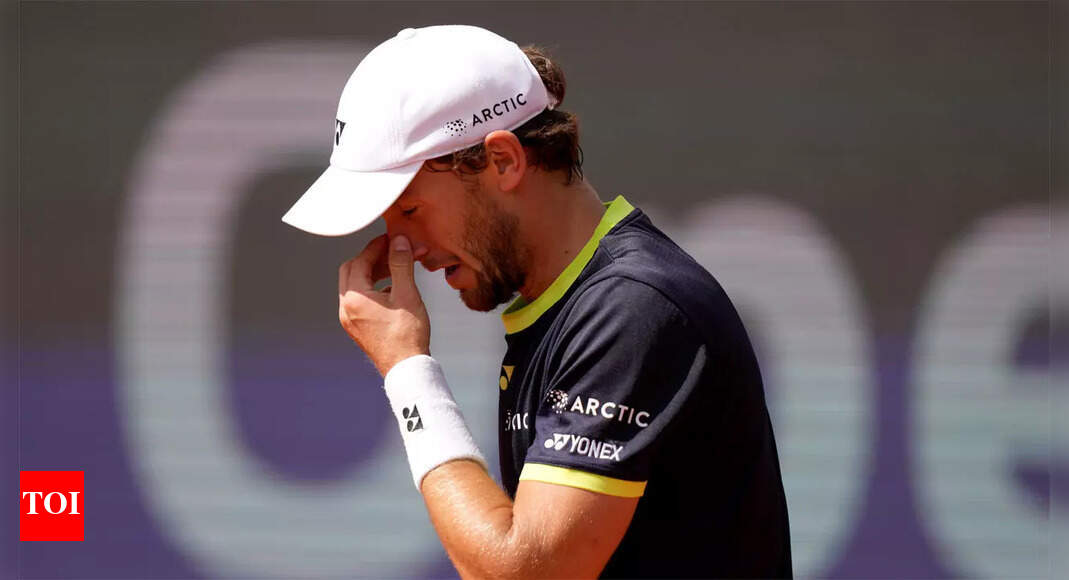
<point>551,138</point>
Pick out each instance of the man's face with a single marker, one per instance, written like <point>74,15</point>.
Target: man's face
<point>457,226</point>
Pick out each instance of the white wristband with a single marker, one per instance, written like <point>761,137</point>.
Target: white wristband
<point>432,426</point>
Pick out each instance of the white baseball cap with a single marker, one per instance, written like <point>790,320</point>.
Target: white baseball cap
<point>424,93</point>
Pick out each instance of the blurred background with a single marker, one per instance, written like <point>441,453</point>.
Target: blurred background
<point>869,181</point>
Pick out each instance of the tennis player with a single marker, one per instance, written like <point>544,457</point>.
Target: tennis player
<point>634,436</point>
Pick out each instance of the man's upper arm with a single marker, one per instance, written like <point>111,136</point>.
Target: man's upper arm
<point>578,529</point>
<point>623,370</point>
<point>625,363</point>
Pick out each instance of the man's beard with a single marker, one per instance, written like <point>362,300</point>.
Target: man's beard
<point>492,236</point>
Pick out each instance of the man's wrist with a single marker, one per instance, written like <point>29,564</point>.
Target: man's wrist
<point>385,368</point>
<point>394,363</point>
<point>432,427</point>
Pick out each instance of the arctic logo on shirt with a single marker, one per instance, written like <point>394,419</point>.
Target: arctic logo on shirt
<point>558,401</point>
<point>581,445</point>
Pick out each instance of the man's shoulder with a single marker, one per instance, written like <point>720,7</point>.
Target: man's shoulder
<point>641,261</point>
<point>643,280</point>
<point>614,296</point>
<point>631,284</point>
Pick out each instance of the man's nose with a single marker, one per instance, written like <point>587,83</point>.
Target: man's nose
<point>419,247</point>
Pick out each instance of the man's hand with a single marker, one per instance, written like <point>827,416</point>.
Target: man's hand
<point>390,325</point>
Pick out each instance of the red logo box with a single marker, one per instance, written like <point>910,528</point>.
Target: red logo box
<point>52,506</point>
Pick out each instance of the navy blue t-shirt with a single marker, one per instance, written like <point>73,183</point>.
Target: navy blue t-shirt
<point>632,375</point>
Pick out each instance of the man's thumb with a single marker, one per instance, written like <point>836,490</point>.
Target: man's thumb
<point>401,266</point>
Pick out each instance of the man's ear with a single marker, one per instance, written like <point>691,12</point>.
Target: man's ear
<point>507,159</point>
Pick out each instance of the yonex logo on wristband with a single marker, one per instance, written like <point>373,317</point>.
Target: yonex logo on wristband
<point>415,423</point>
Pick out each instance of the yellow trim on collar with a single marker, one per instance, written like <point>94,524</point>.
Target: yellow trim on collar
<point>521,314</point>
<point>582,480</point>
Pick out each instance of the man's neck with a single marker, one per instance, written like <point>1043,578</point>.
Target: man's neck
<point>566,220</point>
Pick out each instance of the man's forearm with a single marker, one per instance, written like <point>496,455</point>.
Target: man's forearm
<point>550,531</point>
<point>474,519</point>
<point>472,514</point>
<point>485,533</point>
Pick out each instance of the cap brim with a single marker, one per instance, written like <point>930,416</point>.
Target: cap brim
<point>341,202</point>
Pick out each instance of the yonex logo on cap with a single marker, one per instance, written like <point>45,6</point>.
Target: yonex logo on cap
<point>407,119</point>
<point>339,126</point>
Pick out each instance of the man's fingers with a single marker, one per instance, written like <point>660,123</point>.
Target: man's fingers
<point>380,269</point>
<point>401,270</point>
<point>360,276</point>
<point>343,277</point>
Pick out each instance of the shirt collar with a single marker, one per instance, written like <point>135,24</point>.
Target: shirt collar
<point>521,314</point>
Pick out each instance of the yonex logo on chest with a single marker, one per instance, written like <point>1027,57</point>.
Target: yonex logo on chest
<point>505,379</point>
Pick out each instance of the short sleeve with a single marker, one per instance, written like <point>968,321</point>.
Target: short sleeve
<point>624,364</point>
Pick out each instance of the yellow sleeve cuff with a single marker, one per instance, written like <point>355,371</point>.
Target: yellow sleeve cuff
<point>582,480</point>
